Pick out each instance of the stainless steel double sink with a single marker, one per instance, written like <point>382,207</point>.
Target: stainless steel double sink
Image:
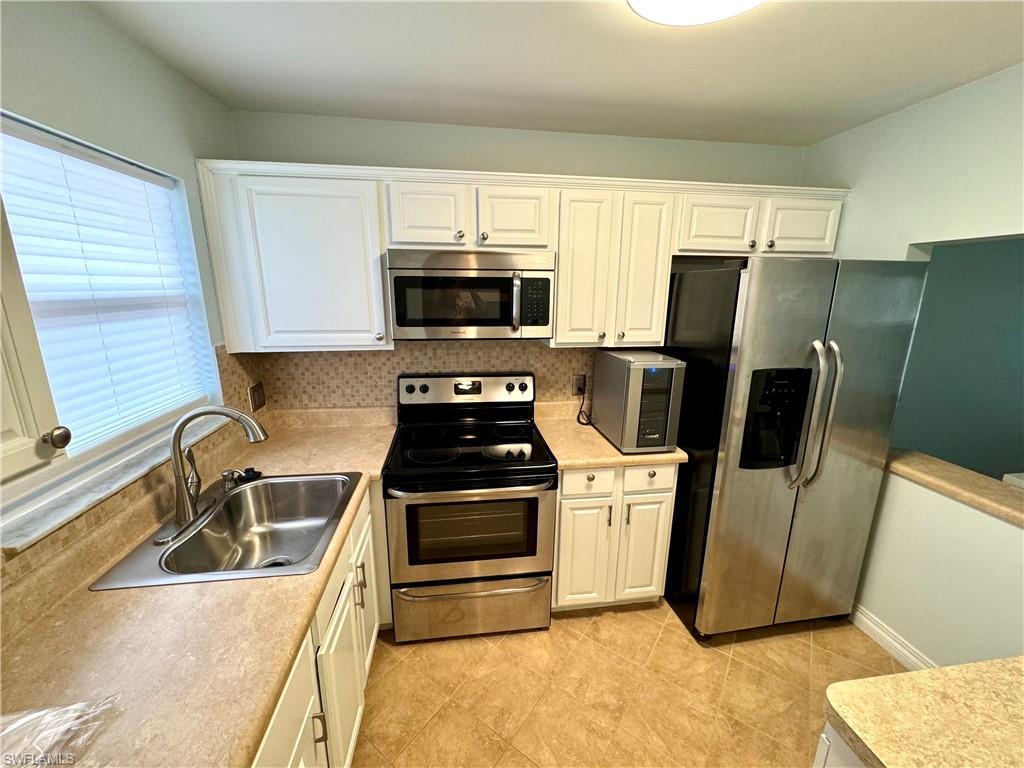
<point>273,526</point>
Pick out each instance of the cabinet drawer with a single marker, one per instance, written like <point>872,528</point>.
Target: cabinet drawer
<point>656,478</point>
<point>362,522</point>
<point>588,482</point>
<point>329,599</point>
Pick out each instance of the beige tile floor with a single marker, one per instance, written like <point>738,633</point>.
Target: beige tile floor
<point>609,688</point>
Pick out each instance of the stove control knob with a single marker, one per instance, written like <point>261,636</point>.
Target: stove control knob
<point>522,386</point>
<point>522,454</point>
<point>424,388</point>
<point>508,455</point>
<point>410,388</point>
<point>510,387</point>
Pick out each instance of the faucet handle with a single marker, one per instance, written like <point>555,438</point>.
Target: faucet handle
<point>193,482</point>
<point>229,478</point>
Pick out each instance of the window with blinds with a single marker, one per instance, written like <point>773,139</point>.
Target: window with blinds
<point>110,271</point>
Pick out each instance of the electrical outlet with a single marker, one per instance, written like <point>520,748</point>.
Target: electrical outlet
<point>579,383</point>
<point>257,397</point>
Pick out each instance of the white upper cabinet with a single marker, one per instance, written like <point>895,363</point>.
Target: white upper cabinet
<point>588,228</point>
<point>425,213</point>
<point>718,223</point>
<point>643,546</point>
<point>297,262</point>
<point>800,225</point>
<point>518,217</point>
<point>645,262</point>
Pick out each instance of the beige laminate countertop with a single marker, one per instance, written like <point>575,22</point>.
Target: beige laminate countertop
<point>581,447</point>
<point>199,666</point>
<point>967,715</point>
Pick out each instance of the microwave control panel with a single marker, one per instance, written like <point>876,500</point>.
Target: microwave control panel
<point>536,301</point>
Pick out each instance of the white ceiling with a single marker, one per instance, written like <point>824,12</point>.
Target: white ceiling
<point>785,73</point>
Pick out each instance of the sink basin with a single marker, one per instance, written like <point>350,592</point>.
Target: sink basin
<point>273,526</point>
<point>268,523</point>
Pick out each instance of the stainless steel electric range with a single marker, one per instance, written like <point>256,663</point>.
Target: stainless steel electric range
<point>469,488</point>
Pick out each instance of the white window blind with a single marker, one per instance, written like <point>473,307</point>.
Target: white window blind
<point>112,283</point>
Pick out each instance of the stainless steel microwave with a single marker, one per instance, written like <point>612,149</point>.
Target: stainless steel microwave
<point>636,399</point>
<point>470,294</point>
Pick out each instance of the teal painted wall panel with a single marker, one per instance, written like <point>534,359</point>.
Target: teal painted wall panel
<point>963,393</point>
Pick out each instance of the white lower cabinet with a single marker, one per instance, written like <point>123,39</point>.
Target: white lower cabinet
<point>833,752</point>
<point>316,721</point>
<point>613,547</point>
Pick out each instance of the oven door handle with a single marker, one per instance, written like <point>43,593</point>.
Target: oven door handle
<point>406,594</point>
<point>517,310</point>
<point>462,493</point>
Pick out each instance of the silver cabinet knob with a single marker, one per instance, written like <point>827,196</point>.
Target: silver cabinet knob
<point>652,473</point>
<point>601,335</point>
<point>459,235</point>
<point>58,437</point>
<point>620,335</point>
<point>752,244</point>
<point>771,243</point>
<point>379,336</point>
<point>484,236</point>
<point>590,477</point>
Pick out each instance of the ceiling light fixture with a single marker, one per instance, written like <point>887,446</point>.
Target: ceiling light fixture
<point>690,13</point>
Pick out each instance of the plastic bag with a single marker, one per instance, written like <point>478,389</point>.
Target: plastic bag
<point>54,735</point>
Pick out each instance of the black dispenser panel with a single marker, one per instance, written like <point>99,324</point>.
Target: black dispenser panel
<point>775,417</point>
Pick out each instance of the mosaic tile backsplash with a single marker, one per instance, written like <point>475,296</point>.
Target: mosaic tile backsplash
<point>347,379</point>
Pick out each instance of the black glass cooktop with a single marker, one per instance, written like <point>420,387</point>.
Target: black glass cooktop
<point>443,447</point>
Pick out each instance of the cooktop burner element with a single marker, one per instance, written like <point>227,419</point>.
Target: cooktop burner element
<point>466,427</point>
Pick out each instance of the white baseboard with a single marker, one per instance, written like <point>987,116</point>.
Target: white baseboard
<point>905,653</point>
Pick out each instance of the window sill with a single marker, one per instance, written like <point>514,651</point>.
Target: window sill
<point>37,512</point>
<point>984,493</point>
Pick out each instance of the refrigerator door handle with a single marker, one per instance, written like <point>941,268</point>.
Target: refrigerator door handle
<point>816,405</point>
<point>827,438</point>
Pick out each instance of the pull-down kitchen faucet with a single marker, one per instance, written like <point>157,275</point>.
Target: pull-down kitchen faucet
<point>187,489</point>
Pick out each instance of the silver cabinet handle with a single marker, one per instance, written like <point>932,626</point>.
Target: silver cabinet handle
<point>830,418</point>
<point>812,427</point>
<point>601,335</point>
<point>361,568</point>
<point>629,509</point>
<point>58,437</point>
<point>590,477</point>
<point>360,597</point>
<point>651,473</point>
<point>752,244</point>
<point>407,593</point>
<point>486,492</point>
<point>321,718</point>
<point>484,236</point>
<point>459,235</point>
<point>770,243</point>
<point>609,515</point>
<point>378,336</point>
<point>620,335</point>
<point>517,310</point>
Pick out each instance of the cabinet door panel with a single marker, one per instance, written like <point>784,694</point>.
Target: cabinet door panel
<point>718,222</point>
<point>584,539</point>
<point>366,595</point>
<point>341,679</point>
<point>643,545</point>
<point>289,740</point>
<point>585,260</point>
<point>799,225</point>
<point>428,213</point>
<point>645,263</point>
<point>314,250</point>
<point>517,216</point>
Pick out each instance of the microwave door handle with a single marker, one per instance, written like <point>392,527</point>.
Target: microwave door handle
<point>517,289</point>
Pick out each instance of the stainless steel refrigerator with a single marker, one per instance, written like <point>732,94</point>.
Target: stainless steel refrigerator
<point>794,367</point>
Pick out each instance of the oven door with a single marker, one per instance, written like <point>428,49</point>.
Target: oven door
<point>454,303</point>
<point>470,533</point>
